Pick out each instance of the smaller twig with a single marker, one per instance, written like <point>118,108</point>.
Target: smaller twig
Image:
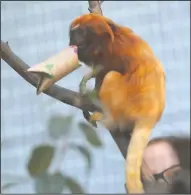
<point>95,7</point>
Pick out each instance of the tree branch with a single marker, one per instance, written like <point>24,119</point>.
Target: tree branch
<point>59,93</point>
<point>95,7</point>
<point>64,95</point>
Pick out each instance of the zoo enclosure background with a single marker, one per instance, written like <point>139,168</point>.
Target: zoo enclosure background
<point>37,30</point>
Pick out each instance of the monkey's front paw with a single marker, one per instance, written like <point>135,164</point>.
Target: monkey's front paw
<point>83,91</point>
<point>92,95</point>
<point>82,88</point>
<point>96,116</point>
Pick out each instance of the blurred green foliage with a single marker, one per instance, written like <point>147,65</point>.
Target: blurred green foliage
<point>40,160</point>
<point>41,157</point>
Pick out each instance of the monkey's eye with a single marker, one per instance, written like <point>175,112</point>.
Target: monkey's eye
<point>77,36</point>
<point>81,32</point>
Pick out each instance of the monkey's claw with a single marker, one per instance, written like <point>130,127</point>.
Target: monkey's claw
<point>87,117</point>
<point>96,116</point>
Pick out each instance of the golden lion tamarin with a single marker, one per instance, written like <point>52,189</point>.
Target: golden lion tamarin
<point>130,85</point>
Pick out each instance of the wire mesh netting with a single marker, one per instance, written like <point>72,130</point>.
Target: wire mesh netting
<point>37,30</point>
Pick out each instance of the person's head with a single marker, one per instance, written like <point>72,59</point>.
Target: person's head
<point>165,162</point>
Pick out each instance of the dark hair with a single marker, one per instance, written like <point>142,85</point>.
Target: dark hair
<point>181,178</point>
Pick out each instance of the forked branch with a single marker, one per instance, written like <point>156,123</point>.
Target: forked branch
<point>57,92</point>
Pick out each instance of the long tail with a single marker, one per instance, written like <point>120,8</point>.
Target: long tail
<point>134,158</point>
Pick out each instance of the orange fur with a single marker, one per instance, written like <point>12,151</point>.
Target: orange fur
<point>131,86</point>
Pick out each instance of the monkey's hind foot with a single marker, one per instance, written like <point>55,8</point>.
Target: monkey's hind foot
<point>87,116</point>
<point>96,116</point>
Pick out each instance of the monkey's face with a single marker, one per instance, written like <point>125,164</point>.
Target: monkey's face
<point>91,34</point>
<point>80,37</point>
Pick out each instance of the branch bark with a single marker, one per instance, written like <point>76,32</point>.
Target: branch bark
<point>95,7</point>
<point>62,94</point>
